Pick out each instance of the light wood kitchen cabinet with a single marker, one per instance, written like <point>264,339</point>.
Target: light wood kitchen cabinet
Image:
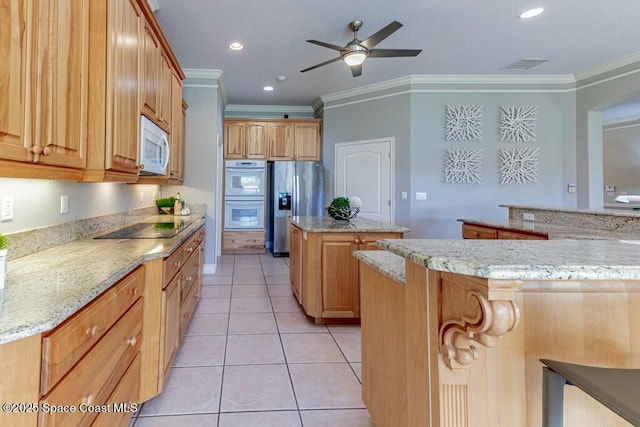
<point>330,278</point>
<point>43,101</point>
<point>176,139</point>
<point>245,140</point>
<point>165,81</point>
<point>472,231</point>
<point>271,139</point>
<point>150,72</point>
<point>307,140</point>
<point>170,328</point>
<point>14,50</point>
<point>279,137</point>
<point>295,267</point>
<point>114,123</point>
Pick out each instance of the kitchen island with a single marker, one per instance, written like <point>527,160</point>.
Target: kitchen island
<point>324,275</point>
<point>459,342</point>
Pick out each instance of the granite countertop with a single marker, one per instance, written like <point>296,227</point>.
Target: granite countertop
<point>44,289</point>
<point>325,224</point>
<point>525,259</point>
<point>391,265</point>
<point>606,212</point>
<point>554,231</point>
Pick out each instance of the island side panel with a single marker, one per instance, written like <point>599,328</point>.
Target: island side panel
<point>384,375</point>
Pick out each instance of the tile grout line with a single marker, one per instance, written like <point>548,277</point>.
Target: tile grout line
<point>226,343</point>
<point>284,354</point>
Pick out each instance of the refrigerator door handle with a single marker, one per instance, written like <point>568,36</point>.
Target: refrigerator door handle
<point>296,195</point>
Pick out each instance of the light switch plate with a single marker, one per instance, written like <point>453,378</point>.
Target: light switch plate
<point>421,196</point>
<point>7,209</point>
<point>403,195</point>
<point>528,216</point>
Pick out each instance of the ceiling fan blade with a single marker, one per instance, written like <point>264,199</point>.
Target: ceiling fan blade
<point>390,53</point>
<point>356,70</point>
<point>321,64</point>
<point>373,40</point>
<point>329,45</point>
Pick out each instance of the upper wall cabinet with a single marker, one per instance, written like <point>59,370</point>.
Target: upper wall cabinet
<point>71,80</point>
<point>44,46</point>
<point>273,139</point>
<point>114,124</point>
<point>245,140</point>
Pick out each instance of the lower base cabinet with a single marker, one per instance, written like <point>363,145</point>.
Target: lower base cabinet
<point>324,274</point>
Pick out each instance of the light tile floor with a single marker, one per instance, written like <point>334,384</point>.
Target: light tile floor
<point>251,358</point>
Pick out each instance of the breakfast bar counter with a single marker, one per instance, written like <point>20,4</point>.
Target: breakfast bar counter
<point>459,343</point>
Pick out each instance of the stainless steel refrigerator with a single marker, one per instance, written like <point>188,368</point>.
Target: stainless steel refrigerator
<point>296,189</point>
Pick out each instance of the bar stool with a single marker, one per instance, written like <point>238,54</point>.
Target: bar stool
<point>617,389</point>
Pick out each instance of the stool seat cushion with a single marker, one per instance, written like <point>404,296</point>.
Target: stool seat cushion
<point>617,389</point>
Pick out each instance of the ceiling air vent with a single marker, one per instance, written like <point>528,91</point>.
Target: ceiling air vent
<point>525,64</point>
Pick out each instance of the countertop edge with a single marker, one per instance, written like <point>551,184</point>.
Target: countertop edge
<point>387,263</point>
<point>60,314</point>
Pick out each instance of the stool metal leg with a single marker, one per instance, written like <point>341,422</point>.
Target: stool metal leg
<point>552,398</point>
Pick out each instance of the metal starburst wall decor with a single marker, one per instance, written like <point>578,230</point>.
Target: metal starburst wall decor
<point>519,165</point>
<point>518,123</point>
<point>463,165</point>
<point>464,123</point>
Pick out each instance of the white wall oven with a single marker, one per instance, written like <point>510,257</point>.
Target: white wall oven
<point>244,178</point>
<point>244,204</point>
<point>244,214</point>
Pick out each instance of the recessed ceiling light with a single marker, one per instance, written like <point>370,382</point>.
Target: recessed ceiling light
<point>236,46</point>
<point>268,88</point>
<point>531,13</point>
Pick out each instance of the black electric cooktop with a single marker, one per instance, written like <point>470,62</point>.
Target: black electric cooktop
<point>148,230</point>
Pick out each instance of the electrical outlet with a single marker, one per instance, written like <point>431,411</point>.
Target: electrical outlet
<point>64,204</point>
<point>403,195</point>
<point>421,196</point>
<point>528,216</point>
<point>609,188</point>
<point>7,209</point>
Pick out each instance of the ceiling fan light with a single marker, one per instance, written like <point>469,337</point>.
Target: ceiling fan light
<point>354,58</point>
<point>531,13</point>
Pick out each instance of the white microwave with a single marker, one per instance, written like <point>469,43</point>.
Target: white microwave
<point>154,148</point>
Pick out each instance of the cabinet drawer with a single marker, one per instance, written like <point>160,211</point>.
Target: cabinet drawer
<point>477,232</point>
<point>190,275</point>
<point>95,377</point>
<point>172,264</point>
<point>65,345</point>
<point>514,235</point>
<point>192,243</point>
<point>122,400</point>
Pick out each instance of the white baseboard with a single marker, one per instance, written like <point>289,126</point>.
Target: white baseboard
<point>209,269</point>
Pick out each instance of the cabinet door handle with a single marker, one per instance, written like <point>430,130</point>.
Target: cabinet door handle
<point>363,241</point>
<point>133,292</point>
<point>132,341</point>
<point>92,330</point>
<point>356,241</point>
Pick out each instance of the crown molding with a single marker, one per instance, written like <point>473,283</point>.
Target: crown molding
<point>607,67</point>
<point>453,79</point>
<point>279,109</point>
<point>202,77</point>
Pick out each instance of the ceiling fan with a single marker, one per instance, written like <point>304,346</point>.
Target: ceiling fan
<point>356,51</point>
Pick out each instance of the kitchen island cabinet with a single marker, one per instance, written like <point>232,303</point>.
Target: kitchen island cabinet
<point>325,276</point>
<point>459,342</point>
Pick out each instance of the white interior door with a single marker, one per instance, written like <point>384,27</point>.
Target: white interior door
<point>364,169</point>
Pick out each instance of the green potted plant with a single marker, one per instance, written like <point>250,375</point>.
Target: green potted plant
<point>4,245</point>
<point>166,205</point>
<point>344,208</point>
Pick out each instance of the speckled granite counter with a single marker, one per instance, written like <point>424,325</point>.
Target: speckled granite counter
<point>389,264</point>
<point>554,231</point>
<point>44,289</point>
<point>523,259</point>
<point>324,224</point>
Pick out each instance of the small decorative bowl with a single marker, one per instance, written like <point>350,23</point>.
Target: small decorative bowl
<point>342,214</point>
<point>168,211</point>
